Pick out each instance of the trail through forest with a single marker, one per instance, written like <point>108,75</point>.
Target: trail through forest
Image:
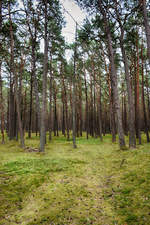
<point>95,184</point>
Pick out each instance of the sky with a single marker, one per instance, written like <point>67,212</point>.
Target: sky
<point>69,31</point>
<point>73,9</point>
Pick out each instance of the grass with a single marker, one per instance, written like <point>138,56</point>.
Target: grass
<point>93,184</point>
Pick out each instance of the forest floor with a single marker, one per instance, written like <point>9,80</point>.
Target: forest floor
<point>94,184</point>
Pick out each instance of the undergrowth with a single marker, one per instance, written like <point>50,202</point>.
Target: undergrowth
<point>94,184</point>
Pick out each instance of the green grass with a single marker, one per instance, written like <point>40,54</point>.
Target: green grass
<point>94,184</point>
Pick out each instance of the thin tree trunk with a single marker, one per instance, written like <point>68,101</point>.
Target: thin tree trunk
<point>80,107</point>
<point>33,80</point>
<point>7,124</point>
<point>74,95</point>
<point>138,122</point>
<point>63,117</point>
<point>70,100</point>
<point>66,108</point>
<point>148,98</point>
<point>143,98</point>
<point>125,115</point>
<point>147,26</point>
<point>36,94</point>
<point>87,107</point>
<point>25,111</point>
<point>132,139</point>
<point>16,81</point>
<point>55,109</point>
<point>93,98</point>
<point>1,87</point>
<point>91,123</point>
<point>100,114</point>
<point>19,114</point>
<point>50,113</point>
<point>111,105</point>
<point>50,99</point>
<point>112,117</point>
<point>44,84</point>
<point>1,106</point>
<point>31,88</point>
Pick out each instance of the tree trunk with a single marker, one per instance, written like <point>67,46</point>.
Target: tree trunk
<point>131,118</point>
<point>114,83</point>
<point>31,87</point>
<point>1,106</point>
<point>16,80</point>
<point>86,107</point>
<point>112,116</point>
<point>93,98</point>
<point>111,105</point>
<point>66,108</point>
<point>143,98</point>
<point>100,114</point>
<point>146,25</point>
<point>25,110</point>
<point>33,80</point>
<point>1,86</point>
<point>125,115</point>
<point>44,84</point>
<point>74,95</point>
<point>148,98</point>
<point>55,110</point>
<point>63,117</point>
<point>80,107</point>
<point>50,99</point>
<point>137,93</point>
<point>91,123</point>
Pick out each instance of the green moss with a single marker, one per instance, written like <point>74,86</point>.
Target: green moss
<point>88,185</point>
<point>131,219</point>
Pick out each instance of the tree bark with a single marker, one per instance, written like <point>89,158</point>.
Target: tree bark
<point>1,87</point>
<point>111,105</point>
<point>113,76</point>
<point>146,25</point>
<point>91,114</point>
<point>132,139</point>
<point>50,107</point>
<point>2,107</point>
<point>80,106</point>
<point>31,88</point>
<point>100,113</point>
<point>137,93</point>
<point>15,80</point>
<point>148,98</point>
<point>33,79</point>
<point>86,107</point>
<point>66,107</point>
<point>74,95</point>
<point>143,98</point>
<point>44,84</point>
<point>55,109</point>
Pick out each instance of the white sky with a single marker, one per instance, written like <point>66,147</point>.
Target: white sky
<point>69,31</point>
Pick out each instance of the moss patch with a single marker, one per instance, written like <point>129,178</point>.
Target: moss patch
<point>93,184</point>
